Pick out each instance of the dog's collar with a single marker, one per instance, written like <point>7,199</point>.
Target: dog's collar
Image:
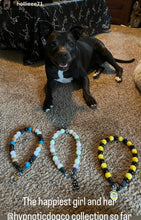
<point>21,170</point>
<point>116,187</point>
<point>57,162</point>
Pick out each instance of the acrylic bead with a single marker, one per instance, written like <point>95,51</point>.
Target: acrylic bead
<point>40,145</point>
<point>78,144</point>
<point>129,176</point>
<point>70,131</point>
<point>135,159</point>
<point>132,167</point>
<point>100,148</point>
<point>12,142</point>
<point>76,166</point>
<point>59,166</point>
<point>55,158</point>
<point>52,142</point>
<point>55,135</point>
<point>36,153</point>
<point>129,143</point>
<point>38,149</point>
<point>120,139</point>
<point>104,141</point>
<point>76,137</point>
<point>78,152</point>
<point>14,159</point>
<point>100,156</point>
<point>59,133</point>
<point>41,142</point>
<point>30,128</point>
<point>111,138</point>
<point>27,164</point>
<point>103,165</point>
<point>78,148</point>
<point>107,175</point>
<point>52,150</point>
<point>17,135</point>
<point>57,162</point>
<point>134,151</point>
<point>14,139</point>
<point>77,161</point>
<point>12,152</point>
<point>37,130</point>
<point>62,131</point>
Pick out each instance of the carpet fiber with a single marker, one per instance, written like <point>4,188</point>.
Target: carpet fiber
<point>118,113</point>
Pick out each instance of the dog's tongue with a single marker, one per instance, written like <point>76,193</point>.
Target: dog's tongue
<point>63,65</point>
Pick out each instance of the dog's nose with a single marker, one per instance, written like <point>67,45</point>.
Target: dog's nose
<point>63,54</point>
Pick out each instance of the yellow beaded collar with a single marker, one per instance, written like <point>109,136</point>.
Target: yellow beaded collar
<point>116,187</point>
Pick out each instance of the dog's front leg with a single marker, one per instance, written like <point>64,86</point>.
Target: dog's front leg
<point>90,101</point>
<point>48,103</point>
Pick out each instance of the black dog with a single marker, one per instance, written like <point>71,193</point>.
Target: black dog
<point>69,56</point>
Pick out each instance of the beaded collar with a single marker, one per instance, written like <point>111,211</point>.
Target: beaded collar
<point>57,162</point>
<point>116,187</point>
<point>21,170</point>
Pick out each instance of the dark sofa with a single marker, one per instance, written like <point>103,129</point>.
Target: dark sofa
<point>19,26</point>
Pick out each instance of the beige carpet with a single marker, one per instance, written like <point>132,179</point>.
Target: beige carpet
<point>118,113</point>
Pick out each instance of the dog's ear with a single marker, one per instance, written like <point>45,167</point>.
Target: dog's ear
<point>79,31</point>
<point>76,31</point>
<point>45,30</point>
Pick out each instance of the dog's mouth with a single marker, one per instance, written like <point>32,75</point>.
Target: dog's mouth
<point>63,66</point>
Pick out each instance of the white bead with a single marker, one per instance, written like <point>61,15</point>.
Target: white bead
<point>12,152</point>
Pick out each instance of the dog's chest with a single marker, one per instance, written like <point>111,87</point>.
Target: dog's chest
<point>63,78</point>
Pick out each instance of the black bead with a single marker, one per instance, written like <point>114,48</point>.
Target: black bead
<point>132,147</point>
<point>105,170</point>
<point>125,141</point>
<point>22,131</point>
<point>26,129</point>
<point>16,165</point>
<point>115,138</point>
<point>32,158</point>
<point>107,139</point>
<point>23,169</point>
<point>134,163</point>
<point>100,152</point>
<point>126,180</point>
<point>101,144</point>
<point>40,137</point>
<point>101,161</point>
<point>135,155</point>
<point>110,180</point>
<point>131,171</point>
<point>11,147</point>
<point>62,170</point>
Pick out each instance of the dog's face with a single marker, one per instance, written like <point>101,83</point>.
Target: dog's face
<point>61,47</point>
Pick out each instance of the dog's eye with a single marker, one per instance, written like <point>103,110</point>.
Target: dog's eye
<point>71,43</point>
<point>53,44</point>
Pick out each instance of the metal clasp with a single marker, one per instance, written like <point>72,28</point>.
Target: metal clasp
<point>75,184</point>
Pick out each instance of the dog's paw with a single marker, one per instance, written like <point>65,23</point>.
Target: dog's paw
<point>48,108</point>
<point>96,74</point>
<point>91,102</point>
<point>118,79</point>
